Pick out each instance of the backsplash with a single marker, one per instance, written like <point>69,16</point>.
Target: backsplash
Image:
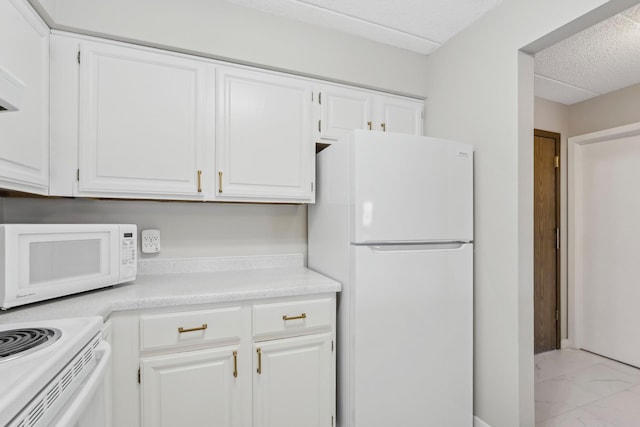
<point>188,230</point>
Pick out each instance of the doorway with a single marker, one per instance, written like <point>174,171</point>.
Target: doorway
<point>546,251</point>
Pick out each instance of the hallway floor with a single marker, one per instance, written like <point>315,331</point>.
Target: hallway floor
<point>577,388</point>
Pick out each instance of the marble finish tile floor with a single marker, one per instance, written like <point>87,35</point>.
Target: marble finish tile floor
<point>576,388</point>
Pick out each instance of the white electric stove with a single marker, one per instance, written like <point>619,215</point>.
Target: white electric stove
<point>51,371</point>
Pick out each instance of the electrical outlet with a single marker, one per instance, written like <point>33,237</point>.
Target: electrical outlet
<point>150,241</point>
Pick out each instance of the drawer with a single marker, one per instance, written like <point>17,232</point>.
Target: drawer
<point>194,327</point>
<point>293,317</point>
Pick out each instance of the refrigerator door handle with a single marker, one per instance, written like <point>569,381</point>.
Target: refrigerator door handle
<point>419,247</point>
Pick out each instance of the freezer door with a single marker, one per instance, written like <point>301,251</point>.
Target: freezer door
<point>412,336</point>
<point>409,188</point>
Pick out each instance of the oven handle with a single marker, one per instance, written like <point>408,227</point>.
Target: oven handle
<point>70,414</point>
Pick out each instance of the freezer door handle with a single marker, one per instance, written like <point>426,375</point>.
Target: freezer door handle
<point>419,247</point>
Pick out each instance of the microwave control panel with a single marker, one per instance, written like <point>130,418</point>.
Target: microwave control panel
<point>128,258</point>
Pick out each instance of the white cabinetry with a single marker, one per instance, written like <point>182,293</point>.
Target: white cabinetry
<point>193,388</point>
<point>145,119</point>
<point>268,363</point>
<point>24,68</point>
<point>398,114</point>
<point>343,109</point>
<point>295,367</point>
<point>264,148</point>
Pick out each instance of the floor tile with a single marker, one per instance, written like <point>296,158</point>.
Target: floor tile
<point>575,418</point>
<point>621,409</point>
<point>603,379</point>
<point>557,396</point>
<point>562,362</point>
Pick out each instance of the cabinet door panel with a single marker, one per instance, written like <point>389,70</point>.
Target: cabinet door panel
<point>400,115</point>
<point>264,146</point>
<point>142,121</point>
<point>343,110</point>
<point>296,382</point>
<point>192,389</point>
<point>24,134</point>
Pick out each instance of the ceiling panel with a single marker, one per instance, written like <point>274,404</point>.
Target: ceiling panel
<point>417,25</point>
<point>600,59</point>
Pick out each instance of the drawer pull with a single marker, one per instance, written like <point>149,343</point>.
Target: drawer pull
<point>199,328</point>
<point>302,316</point>
<point>259,351</point>
<point>235,364</point>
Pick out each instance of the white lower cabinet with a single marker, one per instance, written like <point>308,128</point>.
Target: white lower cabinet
<point>294,385</point>
<point>263,363</point>
<point>193,388</point>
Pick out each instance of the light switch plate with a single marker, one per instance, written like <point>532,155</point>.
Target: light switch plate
<point>150,241</point>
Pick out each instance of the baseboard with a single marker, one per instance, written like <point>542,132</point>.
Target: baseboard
<point>564,343</point>
<point>477,422</point>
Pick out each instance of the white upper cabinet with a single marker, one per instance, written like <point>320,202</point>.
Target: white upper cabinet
<point>399,115</point>
<point>264,146</point>
<point>342,110</point>
<point>24,125</point>
<point>145,119</point>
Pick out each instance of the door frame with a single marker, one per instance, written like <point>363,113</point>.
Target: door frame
<point>574,265</point>
<point>557,138</point>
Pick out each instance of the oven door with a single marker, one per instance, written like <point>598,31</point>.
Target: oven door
<point>88,407</point>
<point>49,260</point>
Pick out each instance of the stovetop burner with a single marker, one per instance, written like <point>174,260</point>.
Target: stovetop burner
<point>20,342</point>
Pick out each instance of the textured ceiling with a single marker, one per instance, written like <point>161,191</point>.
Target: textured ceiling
<point>418,25</point>
<point>598,60</point>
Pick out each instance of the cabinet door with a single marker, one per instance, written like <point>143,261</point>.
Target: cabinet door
<point>24,128</point>
<point>144,121</point>
<point>399,115</point>
<point>343,110</point>
<point>264,148</point>
<point>196,388</point>
<point>294,382</point>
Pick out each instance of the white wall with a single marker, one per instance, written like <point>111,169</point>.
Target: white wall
<point>187,229</point>
<point>554,117</point>
<point>227,31</point>
<point>480,90</point>
<point>621,107</point>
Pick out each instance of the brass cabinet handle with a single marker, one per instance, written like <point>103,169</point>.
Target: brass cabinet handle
<point>220,182</point>
<point>199,181</point>
<point>370,125</point>
<point>302,316</point>
<point>199,328</point>
<point>384,127</point>
<point>235,364</point>
<point>259,351</point>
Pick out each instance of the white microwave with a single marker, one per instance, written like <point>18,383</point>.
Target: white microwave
<point>43,261</point>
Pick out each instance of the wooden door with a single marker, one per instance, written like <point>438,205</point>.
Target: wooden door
<point>294,382</point>
<point>546,241</point>
<point>194,388</point>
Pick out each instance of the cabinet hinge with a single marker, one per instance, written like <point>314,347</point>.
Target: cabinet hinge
<point>138,375</point>
<point>332,346</point>
<point>320,98</point>
<point>331,420</point>
<point>557,315</point>
<point>556,161</point>
<point>319,125</point>
<point>311,96</point>
<point>78,57</point>
<point>77,174</point>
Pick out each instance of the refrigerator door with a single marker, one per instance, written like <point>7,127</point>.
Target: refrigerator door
<point>412,336</point>
<point>410,189</point>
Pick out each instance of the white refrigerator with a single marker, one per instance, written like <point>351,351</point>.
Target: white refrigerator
<point>393,222</point>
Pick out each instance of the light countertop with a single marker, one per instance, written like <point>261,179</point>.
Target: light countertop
<point>168,288</point>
